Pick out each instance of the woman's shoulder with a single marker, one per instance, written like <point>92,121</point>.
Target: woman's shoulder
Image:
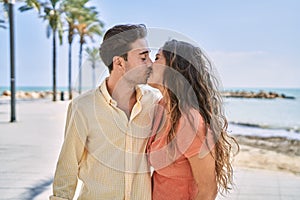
<point>193,116</point>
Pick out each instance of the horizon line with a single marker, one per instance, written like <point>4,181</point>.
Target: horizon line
<point>246,87</point>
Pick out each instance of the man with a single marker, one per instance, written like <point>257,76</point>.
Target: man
<point>107,128</point>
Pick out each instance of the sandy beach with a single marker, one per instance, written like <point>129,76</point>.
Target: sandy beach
<point>29,149</point>
<point>269,153</point>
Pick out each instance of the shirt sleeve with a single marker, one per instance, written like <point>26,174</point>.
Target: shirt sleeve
<point>73,149</point>
<point>191,135</point>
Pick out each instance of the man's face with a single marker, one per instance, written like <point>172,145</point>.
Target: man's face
<point>138,64</point>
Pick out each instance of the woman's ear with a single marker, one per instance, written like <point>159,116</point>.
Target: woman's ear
<point>119,64</point>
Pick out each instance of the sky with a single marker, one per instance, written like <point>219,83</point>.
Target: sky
<point>251,43</point>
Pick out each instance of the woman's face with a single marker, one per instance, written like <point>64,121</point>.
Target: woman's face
<point>158,68</point>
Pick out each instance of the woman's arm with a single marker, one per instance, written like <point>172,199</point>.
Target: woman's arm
<point>198,147</point>
<point>205,176</point>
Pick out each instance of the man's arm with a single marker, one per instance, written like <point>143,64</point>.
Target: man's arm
<point>66,174</point>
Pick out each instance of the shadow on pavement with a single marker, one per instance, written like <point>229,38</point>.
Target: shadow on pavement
<point>37,189</point>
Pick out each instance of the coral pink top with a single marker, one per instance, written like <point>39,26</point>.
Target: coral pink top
<point>173,178</point>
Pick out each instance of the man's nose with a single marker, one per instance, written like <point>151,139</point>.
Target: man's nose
<point>149,62</point>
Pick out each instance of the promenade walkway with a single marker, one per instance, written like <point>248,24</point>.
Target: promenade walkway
<point>29,150</point>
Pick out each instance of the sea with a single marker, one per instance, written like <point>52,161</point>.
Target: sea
<point>264,117</point>
<point>256,117</point>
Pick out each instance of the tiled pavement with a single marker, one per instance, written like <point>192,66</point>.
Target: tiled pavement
<point>256,184</point>
<point>252,184</point>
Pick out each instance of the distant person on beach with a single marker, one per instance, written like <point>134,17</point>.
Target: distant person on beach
<point>107,129</point>
<point>190,149</point>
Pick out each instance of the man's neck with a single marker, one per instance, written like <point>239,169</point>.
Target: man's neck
<point>123,93</point>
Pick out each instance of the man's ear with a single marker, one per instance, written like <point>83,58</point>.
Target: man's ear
<point>119,64</point>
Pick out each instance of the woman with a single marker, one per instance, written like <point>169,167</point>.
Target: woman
<point>189,150</point>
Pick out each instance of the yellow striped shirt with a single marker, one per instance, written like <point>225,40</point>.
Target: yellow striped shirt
<point>105,149</point>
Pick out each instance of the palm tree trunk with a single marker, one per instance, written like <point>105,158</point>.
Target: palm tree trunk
<point>54,64</point>
<point>94,76</point>
<point>12,63</point>
<point>70,70</point>
<point>80,68</point>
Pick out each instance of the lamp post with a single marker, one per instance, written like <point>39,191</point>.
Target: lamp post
<point>12,61</point>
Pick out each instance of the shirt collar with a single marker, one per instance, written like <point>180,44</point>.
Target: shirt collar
<point>104,91</point>
<point>111,101</point>
<point>139,92</point>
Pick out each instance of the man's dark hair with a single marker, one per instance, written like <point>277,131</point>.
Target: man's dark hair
<point>117,42</point>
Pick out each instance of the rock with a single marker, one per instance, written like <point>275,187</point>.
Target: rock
<point>35,95</point>
<point>6,93</point>
<point>259,95</point>
<point>21,95</point>
<point>42,94</point>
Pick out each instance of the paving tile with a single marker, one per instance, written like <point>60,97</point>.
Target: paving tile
<point>11,193</point>
<point>249,190</point>
<point>290,197</point>
<point>290,191</point>
<point>258,197</point>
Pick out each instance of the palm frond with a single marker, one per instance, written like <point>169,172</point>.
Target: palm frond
<point>60,29</point>
<point>92,54</point>
<point>5,7</point>
<point>31,4</point>
<point>25,8</point>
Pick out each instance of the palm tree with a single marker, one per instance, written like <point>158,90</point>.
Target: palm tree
<point>52,14</point>
<point>89,25</point>
<point>93,56</point>
<point>4,13</point>
<point>8,11</point>
<point>8,8</point>
<point>73,10</point>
